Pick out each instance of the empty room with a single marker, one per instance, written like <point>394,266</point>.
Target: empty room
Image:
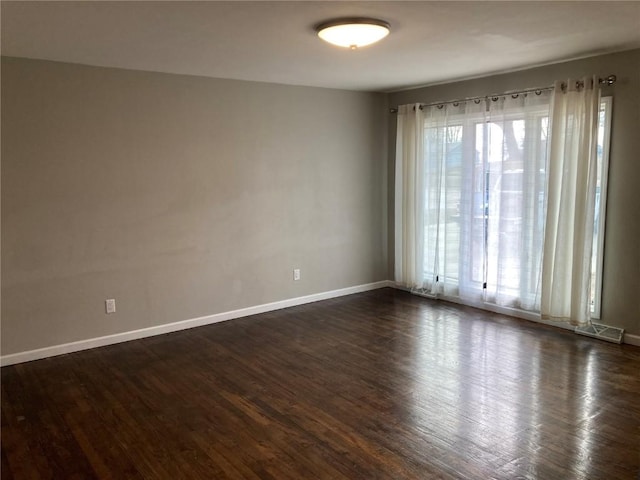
<point>320,240</point>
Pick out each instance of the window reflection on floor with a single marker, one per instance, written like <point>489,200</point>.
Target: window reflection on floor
<point>486,390</point>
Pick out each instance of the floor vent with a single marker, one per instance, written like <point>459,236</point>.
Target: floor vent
<point>424,293</point>
<point>603,332</point>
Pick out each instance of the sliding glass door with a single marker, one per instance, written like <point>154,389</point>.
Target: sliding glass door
<point>484,199</point>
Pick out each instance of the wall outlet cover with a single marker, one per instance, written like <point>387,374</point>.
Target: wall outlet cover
<point>110,305</point>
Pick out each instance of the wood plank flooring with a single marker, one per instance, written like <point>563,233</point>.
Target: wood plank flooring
<point>379,385</point>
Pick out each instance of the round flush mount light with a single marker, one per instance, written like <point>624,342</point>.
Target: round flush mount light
<point>353,33</point>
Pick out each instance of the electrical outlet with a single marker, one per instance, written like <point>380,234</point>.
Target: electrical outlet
<point>110,305</point>
<point>296,274</point>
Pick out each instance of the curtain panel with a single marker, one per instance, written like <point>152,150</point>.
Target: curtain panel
<point>571,194</point>
<point>495,200</point>
<point>409,197</point>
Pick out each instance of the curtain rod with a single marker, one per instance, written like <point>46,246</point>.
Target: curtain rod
<point>608,80</point>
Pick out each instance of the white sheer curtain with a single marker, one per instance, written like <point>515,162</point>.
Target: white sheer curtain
<point>514,148</point>
<point>483,198</point>
<point>409,197</point>
<point>495,200</point>
<point>571,197</point>
<point>453,247</point>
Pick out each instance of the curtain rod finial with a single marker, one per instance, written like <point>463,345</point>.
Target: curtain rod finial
<point>610,80</point>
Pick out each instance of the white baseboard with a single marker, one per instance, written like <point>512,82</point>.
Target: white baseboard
<point>631,339</point>
<point>628,338</point>
<point>54,350</point>
<point>183,325</point>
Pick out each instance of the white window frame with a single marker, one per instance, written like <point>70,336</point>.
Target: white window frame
<point>606,104</point>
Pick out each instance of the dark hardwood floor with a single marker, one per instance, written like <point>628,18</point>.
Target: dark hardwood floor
<point>379,385</point>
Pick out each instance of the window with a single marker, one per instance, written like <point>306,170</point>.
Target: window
<point>484,177</point>
<point>484,217</point>
<point>484,205</point>
<point>597,258</point>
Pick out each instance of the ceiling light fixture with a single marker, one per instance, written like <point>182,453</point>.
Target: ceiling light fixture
<point>353,32</point>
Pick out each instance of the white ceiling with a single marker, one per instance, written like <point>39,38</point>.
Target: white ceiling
<point>430,42</point>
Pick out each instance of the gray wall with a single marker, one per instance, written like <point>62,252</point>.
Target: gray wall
<point>179,197</point>
<point>621,280</point>
<point>184,196</point>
